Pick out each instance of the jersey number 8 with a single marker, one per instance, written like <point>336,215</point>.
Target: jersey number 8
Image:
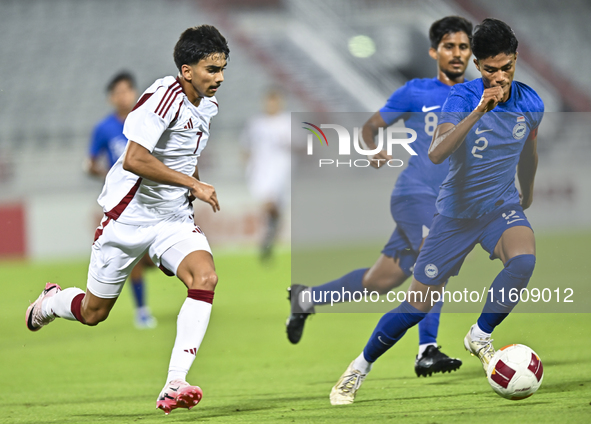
<point>430,123</point>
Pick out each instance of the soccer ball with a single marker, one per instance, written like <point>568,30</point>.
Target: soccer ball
<point>515,372</point>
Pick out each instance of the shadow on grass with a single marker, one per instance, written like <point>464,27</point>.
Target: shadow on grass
<point>181,415</point>
<point>554,362</point>
<point>432,380</point>
<point>428,396</point>
<point>516,404</point>
<point>581,385</point>
<point>106,400</point>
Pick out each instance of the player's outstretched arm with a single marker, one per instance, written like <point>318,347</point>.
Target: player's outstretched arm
<point>368,133</point>
<point>526,169</point>
<point>448,137</point>
<point>141,162</point>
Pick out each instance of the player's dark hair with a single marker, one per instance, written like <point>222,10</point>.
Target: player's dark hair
<point>197,43</point>
<point>493,37</point>
<point>121,76</point>
<point>448,25</point>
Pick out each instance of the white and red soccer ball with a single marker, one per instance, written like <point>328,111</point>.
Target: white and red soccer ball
<point>515,372</point>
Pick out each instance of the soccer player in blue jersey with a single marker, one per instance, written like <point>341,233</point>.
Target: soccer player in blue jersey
<point>478,201</point>
<point>412,204</point>
<point>106,145</point>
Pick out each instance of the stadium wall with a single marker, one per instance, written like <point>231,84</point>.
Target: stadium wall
<point>62,225</point>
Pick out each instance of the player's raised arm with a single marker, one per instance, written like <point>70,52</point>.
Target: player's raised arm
<point>448,137</point>
<point>368,133</point>
<point>526,169</point>
<point>141,162</point>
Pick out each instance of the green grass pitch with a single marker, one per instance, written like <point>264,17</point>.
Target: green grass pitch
<point>68,373</point>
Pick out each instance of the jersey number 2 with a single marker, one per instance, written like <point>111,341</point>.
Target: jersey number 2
<point>478,148</point>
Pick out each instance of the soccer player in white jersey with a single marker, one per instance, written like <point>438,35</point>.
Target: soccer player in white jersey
<point>267,144</point>
<point>147,203</point>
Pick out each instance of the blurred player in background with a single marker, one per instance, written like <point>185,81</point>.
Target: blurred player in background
<point>266,142</point>
<point>478,202</point>
<point>106,146</point>
<point>147,203</point>
<point>412,203</point>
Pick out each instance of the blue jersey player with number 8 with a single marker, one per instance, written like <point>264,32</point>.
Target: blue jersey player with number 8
<point>418,103</point>
<point>488,128</point>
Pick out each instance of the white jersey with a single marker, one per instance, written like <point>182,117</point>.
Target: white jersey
<point>166,123</point>
<point>268,140</point>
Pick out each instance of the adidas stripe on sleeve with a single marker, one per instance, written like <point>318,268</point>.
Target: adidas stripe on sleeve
<point>152,115</point>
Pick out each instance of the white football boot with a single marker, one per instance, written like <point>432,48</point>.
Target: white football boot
<point>343,393</point>
<point>482,348</point>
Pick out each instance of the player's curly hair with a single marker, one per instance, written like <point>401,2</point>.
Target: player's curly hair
<point>197,43</point>
<point>448,25</point>
<point>493,37</point>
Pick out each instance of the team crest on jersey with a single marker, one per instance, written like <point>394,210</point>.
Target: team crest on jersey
<point>519,131</point>
<point>431,271</point>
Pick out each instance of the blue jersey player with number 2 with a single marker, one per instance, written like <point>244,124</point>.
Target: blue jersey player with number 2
<point>487,129</point>
<point>418,103</point>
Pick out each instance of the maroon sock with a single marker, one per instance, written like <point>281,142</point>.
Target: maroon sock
<point>202,295</point>
<point>75,307</point>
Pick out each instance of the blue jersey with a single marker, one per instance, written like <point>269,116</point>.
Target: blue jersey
<point>418,103</point>
<point>108,139</point>
<point>481,174</point>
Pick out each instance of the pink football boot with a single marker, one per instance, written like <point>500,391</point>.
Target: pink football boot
<point>34,318</point>
<point>178,394</point>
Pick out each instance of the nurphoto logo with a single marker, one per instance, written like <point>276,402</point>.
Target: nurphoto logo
<point>344,144</point>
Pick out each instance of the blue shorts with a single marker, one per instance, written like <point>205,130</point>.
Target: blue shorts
<point>413,216</point>
<point>451,239</point>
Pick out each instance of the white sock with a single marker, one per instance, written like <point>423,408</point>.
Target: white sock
<point>476,333</point>
<point>423,348</point>
<point>60,305</point>
<point>191,325</point>
<point>305,299</point>
<point>362,365</point>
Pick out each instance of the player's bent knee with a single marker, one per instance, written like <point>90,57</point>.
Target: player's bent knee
<point>204,281</point>
<point>377,285</point>
<point>521,266</point>
<point>94,317</point>
<point>384,284</point>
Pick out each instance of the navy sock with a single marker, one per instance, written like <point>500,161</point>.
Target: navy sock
<point>515,275</point>
<point>390,329</point>
<point>137,286</point>
<point>349,283</point>
<point>429,325</point>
